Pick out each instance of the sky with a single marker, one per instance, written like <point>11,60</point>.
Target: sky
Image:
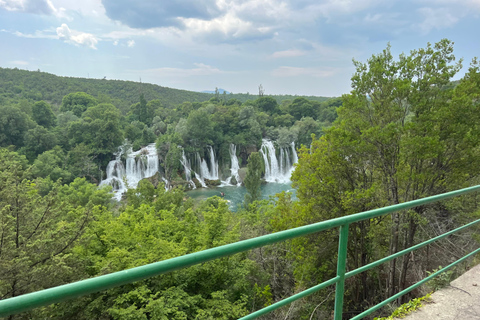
<point>302,47</point>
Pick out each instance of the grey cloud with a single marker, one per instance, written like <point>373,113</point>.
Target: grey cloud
<point>152,13</point>
<point>30,6</point>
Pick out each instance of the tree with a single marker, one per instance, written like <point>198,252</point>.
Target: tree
<point>403,133</point>
<point>253,179</point>
<point>43,114</point>
<point>200,129</point>
<point>38,231</point>
<point>301,107</point>
<point>77,102</point>
<point>261,91</point>
<point>304,129</point>
<point>13,126</point>
<point>251,130</point>
<point>158,126</point>
<point>99,128</point>
<point>143,111</point>
<point>38,140</point>
<point>156,225</point>
<point>267,104</point>
<point>52,163</point>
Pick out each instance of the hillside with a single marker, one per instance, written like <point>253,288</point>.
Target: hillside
<point>36,86</point>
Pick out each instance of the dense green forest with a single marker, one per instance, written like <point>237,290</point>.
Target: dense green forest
<point>404,132</point>
<point>36,86</point>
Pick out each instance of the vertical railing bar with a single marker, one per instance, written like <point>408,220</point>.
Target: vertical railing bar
<point>341,265</point>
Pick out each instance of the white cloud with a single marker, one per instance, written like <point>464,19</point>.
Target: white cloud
<point>43,7</point>
<point>130,43</point>
<point>12,5</point>
<point>38,34</point>
<point>19,62</point>
<point>295,72</point>
<point>77,38</point>
<point>224,27</point>
<point>436,18</point>
<point>92,8</point>
<point>200,70</point>
<point>288,53</point>
<point>115,42</point>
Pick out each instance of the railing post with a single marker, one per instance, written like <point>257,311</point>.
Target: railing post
<point>341,264</point>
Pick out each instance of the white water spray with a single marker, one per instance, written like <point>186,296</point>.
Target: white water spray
<point>234,166</point>
<point>187,169</point>
<point>139,165</point>
<point>278,170</point>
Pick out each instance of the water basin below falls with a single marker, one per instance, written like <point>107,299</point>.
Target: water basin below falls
<point>235,195</point>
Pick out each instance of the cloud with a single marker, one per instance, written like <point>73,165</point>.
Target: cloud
<point>77,38</point>
<point>38,34</point>
<point>30,6</point>
<point>225,28</point>
<point>288,53</point>
<point>130,43</point>
<point>19,62</point>
<point>147,14</point>
<point>200,70</point>
<point>83,8</point>
<point>295,72</point>
<point>436,18</point>
<point>41,7</point>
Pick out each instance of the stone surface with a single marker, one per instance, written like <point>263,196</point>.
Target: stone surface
<point>460,300</point>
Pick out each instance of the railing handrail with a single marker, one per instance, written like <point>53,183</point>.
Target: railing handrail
<point>76,289</point>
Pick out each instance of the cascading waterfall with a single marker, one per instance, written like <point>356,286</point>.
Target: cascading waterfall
<point>200,165</point>
<point>200,177</point>
<point>234,166</point>
<point>139,165</point>
<point>206,172</point>
<point>144,163</point>
<point>187,169</point>
<point>167,184</point>
<point>115,175</point>
<point>278,170</point>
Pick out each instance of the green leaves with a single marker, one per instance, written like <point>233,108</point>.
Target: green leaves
<point>403,133</point>
<point>39,230</point>
<point>255,168</point>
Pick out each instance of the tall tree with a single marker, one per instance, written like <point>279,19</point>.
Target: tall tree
<point>99,128</point>
<point>253,180</point>
<point>14,123</point>
<point>43,114</point>
<point>403,133</point>
<point>77,102</point>
<point>38,231</point>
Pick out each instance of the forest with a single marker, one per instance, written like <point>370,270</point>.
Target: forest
<point>405,131</point>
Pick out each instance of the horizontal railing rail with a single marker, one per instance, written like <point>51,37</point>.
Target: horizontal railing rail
<point>76,289</point>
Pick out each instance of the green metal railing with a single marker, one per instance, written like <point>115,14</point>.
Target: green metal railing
<point>68,291</point>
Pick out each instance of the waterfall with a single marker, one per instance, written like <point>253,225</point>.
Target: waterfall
<point>234,166</point>
<point>213,165</point>
<point>206,171</point>
<point>167,184</point>
<point>188,171</point>
<point>139,165</point>
<point>278,170</point>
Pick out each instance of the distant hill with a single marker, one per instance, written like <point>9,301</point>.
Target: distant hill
<point>16,84</point>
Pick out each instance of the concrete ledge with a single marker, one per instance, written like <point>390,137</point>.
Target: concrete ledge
<point>461,300</point>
